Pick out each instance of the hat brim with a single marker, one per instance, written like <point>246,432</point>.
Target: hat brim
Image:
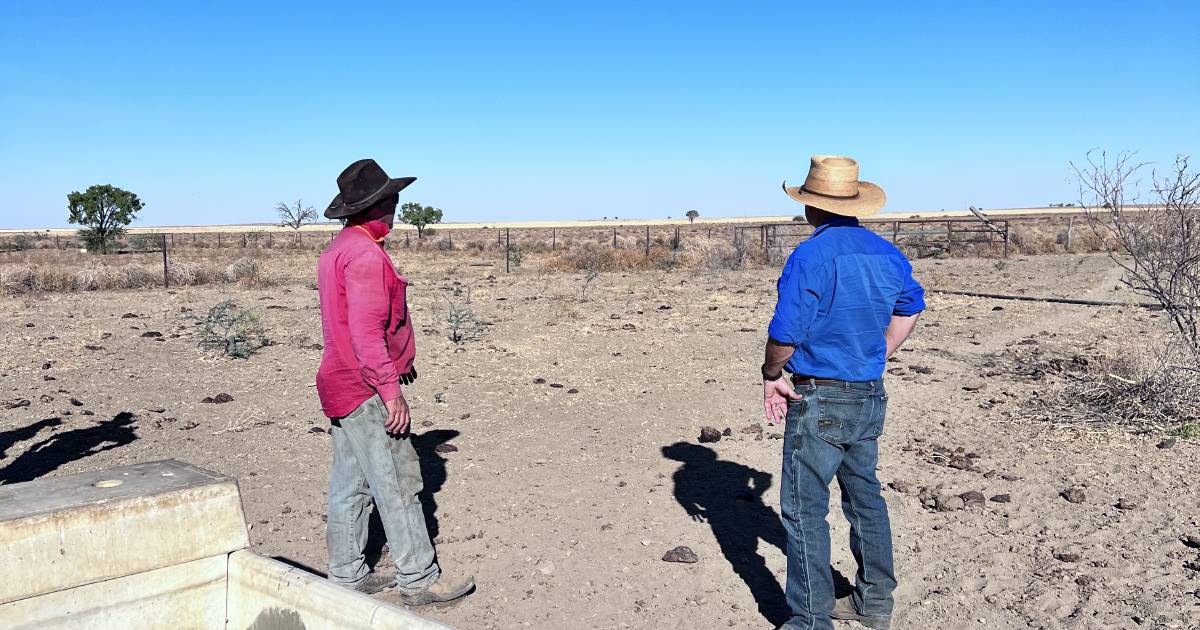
<point>870,200</point>
<point>338,210</point>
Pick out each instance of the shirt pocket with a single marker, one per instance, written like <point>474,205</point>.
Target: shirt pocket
<point>399,305</point>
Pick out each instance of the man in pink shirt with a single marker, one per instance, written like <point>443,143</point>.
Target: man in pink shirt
<point>369,354</point>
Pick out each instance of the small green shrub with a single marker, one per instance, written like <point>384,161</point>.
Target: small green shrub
<point>1187,431</point>
<point>515,255</point>
<point>232,330</point>
<point>464,324</point>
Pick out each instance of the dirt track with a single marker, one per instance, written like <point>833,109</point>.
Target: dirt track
<point>563,502</point>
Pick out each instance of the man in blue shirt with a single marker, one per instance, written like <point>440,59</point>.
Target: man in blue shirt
<point>847,301</point>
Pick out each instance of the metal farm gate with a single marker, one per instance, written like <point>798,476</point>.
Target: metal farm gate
<point>924,237</point>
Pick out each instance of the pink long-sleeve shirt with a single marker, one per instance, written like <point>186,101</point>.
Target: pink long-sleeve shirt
<point>369,340</point>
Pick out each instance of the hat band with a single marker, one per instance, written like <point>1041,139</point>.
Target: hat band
<point>377,191</point>
<point>821,194</point>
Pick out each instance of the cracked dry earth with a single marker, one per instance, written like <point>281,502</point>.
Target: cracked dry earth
<point>576,421</point>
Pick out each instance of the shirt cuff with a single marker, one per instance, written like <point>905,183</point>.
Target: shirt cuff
<point>777,332</point>
<point>389,391</point>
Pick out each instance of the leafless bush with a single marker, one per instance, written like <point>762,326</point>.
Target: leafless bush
<point>1159,243</point>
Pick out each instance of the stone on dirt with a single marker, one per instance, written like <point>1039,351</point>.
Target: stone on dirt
<point>1074,494</point>
<point>445,448</point>
<point>1128,504</point>
<point>681,554</point>
<point>1002,498</point>
<point>1067,556</point>
<point>709,434</point>
<point>972,498</point>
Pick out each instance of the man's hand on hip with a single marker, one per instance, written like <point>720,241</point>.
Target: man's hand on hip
<point>397,415</point>
<point>776,395</point>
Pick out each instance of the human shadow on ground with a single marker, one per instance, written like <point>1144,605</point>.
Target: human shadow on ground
<point>433,474</point>
<point>728,496</point>
<point>56,450</point>
<point>20,434</point>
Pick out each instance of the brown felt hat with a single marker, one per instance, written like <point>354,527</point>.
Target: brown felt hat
<point>833,186</point>
<point>361,185</point>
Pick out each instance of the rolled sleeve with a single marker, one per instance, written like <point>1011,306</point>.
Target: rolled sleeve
<point>912,297</point>
<point>796,306</point>
<point>367,311</point>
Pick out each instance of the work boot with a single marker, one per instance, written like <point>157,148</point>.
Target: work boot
<point>442,591</point>
<point>844,610</point>
<point>374,583</point>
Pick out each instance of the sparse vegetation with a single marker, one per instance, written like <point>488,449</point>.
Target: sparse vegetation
<point>233,331</point>
<point>1140,389</point>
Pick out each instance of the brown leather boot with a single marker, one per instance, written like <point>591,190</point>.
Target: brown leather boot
<point>374,583</point>
<point>844,609</point>
<point>443,590</point>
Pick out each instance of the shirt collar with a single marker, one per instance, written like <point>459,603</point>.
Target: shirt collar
<point>374,228</point>
<point>836,220</point>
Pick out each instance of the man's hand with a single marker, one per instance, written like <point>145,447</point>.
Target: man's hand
<point>397,415</point>
<point>776,395</point>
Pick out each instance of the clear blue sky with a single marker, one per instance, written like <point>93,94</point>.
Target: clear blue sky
<point>214,111</point>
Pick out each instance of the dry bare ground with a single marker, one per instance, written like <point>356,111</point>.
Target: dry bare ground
<point>576,420</point>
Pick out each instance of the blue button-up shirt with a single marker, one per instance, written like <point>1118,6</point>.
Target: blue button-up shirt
<point>837,294</point>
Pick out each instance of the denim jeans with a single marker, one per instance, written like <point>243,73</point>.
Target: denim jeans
<point>369,464</point>
<point>833,432</point>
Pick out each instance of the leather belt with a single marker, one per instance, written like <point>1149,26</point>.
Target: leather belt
<point>798,379</point>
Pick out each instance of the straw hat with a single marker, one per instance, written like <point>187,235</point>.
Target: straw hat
<point>833,185</point>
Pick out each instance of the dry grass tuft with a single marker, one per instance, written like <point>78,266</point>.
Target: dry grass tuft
<point>24,278</point>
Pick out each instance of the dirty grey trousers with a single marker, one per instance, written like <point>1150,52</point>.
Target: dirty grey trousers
<point>369,464</point>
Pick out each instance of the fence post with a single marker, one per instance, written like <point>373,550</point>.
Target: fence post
<point>499,235</point>
<point>614,238</point>
<point>244,241</point>
<point>166,272</point>
<point>406,244</point>
<point>949,237</point>
<point>895,231</point>
<point>1070,225</point>
<point>507,250</point>
<point>1006,239</point>
<point>647,241</point>
<point>675,243</point>
<point>218,240</point>
<point>553,238</point>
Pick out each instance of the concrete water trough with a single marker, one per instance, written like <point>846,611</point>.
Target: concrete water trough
<point>158,545</point>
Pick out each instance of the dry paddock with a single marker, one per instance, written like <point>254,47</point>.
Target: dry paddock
<point>575,421</point>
